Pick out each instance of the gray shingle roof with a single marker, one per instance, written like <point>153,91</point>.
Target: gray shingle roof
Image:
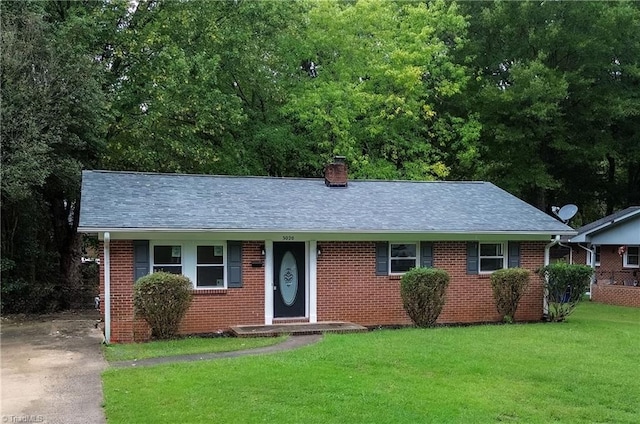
<point>129,200</point>
<point>607,219</point>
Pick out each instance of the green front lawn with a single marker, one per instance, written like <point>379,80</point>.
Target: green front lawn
<point>186,346</point>
<point>585,370</point>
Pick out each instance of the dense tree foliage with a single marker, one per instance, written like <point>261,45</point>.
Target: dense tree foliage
<point>203,95</point>
<point>558,92</point>
<point>542,98</point>
<point>53,122</point>
<point>384,74</point>
<point>230,89</point>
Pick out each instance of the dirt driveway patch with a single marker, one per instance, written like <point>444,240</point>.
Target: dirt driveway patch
<point>51,369</point>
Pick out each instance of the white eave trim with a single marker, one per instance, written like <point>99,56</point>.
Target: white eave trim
<point>315,231</point>
<point>582,237</point>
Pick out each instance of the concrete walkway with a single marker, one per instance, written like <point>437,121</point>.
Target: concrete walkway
<point>52,365</point>
<point>51,369</point>
<point>292,342</point>
<point>298,329</point>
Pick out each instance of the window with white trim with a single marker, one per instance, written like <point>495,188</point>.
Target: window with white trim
<point>167,258</point>
<point>597,250</point>
<point>210,266</point>
<point>492,257</point>
<point>402,257</point>
<point>631,258</point>
<point>203,262</point>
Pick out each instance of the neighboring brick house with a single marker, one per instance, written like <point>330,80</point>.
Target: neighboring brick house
<point>611,245</point>
<point>270,250</point>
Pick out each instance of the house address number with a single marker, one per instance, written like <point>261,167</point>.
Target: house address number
<point>288,238</point>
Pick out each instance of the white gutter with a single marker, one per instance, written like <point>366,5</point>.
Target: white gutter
<point>107,289</point>
<point>320,231</point>
<point>547,248</point>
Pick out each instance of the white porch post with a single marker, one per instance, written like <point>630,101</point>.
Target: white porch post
<point>547,260</point>
<point>313,281</point>
<point>268,282</point>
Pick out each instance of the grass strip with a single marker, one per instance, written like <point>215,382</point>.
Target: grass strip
<point>186,346</point>
<point>584,370</point>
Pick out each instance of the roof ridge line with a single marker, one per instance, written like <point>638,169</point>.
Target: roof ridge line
<point>269,177</point>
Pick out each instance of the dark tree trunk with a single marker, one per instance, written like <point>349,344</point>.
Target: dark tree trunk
<point>65,217</point>
<point>611,181</point>
<point>539,198</point>
<point>633,184</point>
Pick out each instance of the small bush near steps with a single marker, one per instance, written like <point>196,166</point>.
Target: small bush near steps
<point>564,285</point>
<point>508,287</point>
<point>162,299</point>
<point>423,294</point>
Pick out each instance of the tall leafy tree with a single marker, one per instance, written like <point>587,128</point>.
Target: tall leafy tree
<point>228,87</point>
<point>374,84</point>
<point>193,82</point>
<point>557,93</point>
<point>53,115</point>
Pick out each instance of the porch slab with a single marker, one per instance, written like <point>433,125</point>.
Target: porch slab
<point>300,328</point>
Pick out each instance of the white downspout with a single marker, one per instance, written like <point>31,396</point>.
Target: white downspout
<point>107,289</point>
<point>570,252</point>
<point>592,256</point>
<point>592,264</point>
<point>547,259</point>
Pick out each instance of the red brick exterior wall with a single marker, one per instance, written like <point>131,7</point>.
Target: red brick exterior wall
<point>124,327</point>
<point>348,290</point>
<point>616,295</point>
<point>210,311</point>
<point>613,281</point>
<point>613,285</point>
<point>610,260</point>
<point>579,256</point>
<point>217,310</point>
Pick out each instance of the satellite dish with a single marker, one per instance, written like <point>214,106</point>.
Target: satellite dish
<point>566,212</point>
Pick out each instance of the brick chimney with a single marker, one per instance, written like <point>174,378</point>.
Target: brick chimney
<point>335,173</point>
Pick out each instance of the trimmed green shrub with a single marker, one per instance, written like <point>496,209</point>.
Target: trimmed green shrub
<point>564,284</point>
<point>162,299</point>
<point>508,287</point>
<point>423,294</point>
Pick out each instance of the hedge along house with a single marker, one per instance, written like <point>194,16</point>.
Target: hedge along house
<point>262,251</point>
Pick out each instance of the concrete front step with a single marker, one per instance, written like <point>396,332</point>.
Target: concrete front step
<point>296,329</point>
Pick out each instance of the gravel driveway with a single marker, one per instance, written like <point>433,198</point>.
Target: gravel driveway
<point>51,369</point>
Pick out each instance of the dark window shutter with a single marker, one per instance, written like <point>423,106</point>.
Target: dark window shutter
<point>514,254</point>
<point>140,259</point>
<point>234,264</point>
<point>472,257</point>
<point>426,254</point>
<point>382,258</point>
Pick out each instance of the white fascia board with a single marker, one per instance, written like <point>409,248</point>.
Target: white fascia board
<point>328,235</point>
<point>582,237</point>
